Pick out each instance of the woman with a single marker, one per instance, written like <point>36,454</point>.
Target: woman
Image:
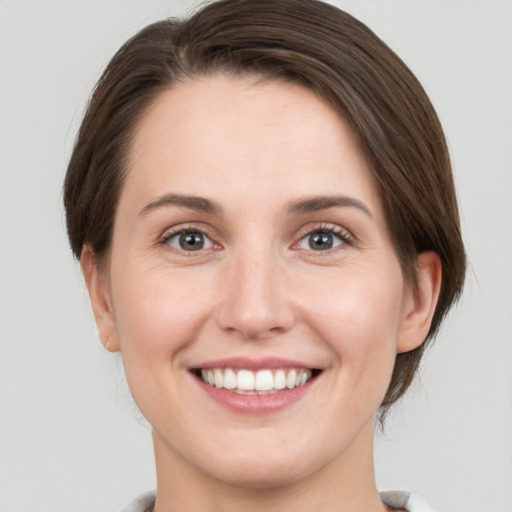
<point>262,203</point>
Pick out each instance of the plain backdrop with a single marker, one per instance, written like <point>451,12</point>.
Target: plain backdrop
<point>69,440</point>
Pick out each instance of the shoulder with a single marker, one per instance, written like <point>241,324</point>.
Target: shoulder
<point>142,503</point>
<point>409,501</point>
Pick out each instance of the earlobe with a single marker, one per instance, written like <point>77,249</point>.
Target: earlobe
<point>420,305</point>
<point>100,300</point>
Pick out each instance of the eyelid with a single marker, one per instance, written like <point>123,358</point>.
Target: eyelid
<point>170,233</point>
<point>344,234</point>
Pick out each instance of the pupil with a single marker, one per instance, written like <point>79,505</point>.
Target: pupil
<point>191,241</point>
<point>321,241</point>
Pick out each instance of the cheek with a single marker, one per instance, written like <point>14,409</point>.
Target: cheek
<point>157,311</point>
<point>358,314</point>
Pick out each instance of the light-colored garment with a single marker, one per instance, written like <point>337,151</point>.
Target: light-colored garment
<point>410,501</point>
<point>143,503</point>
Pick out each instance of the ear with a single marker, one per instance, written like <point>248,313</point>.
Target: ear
<point>99,294</point>
<point>420,303</point>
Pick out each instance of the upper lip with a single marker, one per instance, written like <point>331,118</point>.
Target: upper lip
<point>253,364</point>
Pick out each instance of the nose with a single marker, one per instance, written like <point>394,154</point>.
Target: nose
<point>256,302</point>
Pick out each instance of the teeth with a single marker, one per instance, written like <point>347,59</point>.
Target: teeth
<point>218,378</point>
<point>291,379</point>
<point>245,380</point>
<point>279,379</point>
<point>229,379</point>
<point>263,382</point>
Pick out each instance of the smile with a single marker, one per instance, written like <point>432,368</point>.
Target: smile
<point>262,382</point>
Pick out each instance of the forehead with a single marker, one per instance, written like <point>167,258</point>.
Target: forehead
<point>210,134</point>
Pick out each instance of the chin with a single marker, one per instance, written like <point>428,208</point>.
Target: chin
<point>259,474</point>
<point>265,465</point>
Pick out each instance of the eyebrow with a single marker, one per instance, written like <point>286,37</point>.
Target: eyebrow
<point>318,203</point>
<point>199,204</point>
<point>301,206</point>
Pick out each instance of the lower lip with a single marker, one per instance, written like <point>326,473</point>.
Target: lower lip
<point>255,404</point>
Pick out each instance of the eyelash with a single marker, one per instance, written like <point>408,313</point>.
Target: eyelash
<point>345,236</point>
<point>347,239</point>
<point>169,235</point>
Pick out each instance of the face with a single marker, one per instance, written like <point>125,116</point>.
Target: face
<point>252,286</point>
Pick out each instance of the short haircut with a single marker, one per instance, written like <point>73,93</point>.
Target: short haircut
<point>321,48</point>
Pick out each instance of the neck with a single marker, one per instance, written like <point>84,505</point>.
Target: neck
<point>346,483</point>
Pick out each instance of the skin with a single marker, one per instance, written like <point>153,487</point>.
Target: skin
<point>258,289</point>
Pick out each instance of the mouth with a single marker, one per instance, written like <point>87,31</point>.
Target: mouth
<point>267,381</point>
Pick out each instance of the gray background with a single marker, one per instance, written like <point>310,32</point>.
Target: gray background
<point>69,440</point>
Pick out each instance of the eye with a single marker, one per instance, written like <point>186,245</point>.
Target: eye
<point>188,241</point>
<point>322,240</point>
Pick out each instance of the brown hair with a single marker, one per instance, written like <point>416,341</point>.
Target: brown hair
<point>321,48</point>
